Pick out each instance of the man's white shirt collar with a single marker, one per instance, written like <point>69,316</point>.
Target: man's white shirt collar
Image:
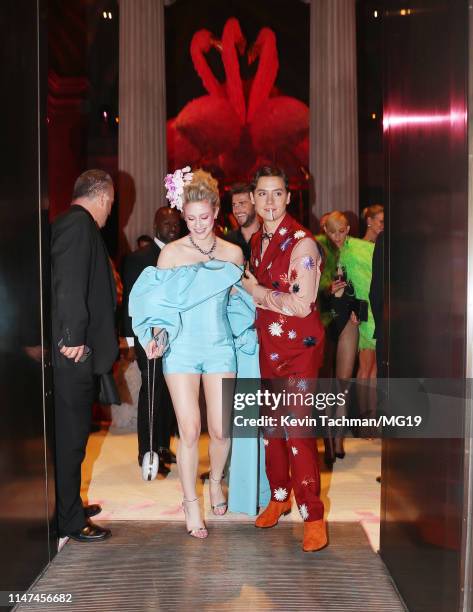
<point>159,242</point>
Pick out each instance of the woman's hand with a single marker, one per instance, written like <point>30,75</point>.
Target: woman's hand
<point>153,351</point>
<point>248,280</point>
<point>337,286</point>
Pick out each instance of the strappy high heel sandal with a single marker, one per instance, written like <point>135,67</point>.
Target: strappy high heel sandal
<point>221,508</point>
<point>196,532</point>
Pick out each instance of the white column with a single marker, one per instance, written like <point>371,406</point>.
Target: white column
<point>333,106</point>
<point>142,110</point>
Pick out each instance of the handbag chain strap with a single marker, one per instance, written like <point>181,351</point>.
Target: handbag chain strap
<point>151,405</point>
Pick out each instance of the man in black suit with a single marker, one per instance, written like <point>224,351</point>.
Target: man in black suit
<point>244,212</point>
<point>84,339</point>
<point>166,228</point>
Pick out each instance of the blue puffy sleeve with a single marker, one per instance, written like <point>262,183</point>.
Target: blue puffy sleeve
<point>160,295</point>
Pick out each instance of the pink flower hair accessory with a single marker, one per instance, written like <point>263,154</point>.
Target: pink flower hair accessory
<point>175,183</point>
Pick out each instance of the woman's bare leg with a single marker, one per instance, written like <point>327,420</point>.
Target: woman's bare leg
<point>367,367</point>
<point>347,348</point>
<point>218,422</point>
<point>184,391</point>
<point>366,392</point>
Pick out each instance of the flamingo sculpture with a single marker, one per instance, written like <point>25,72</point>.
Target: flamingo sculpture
<point>278,123</point>
<point>210,123</point>
<point>181,151</point>
<point>235,163</point>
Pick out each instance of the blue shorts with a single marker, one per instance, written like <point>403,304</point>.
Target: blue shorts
<point>185,359</point>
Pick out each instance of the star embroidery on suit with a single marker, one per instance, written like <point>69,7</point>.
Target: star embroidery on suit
<point>274,356</point>
<point>308,262</point>
<point>284,279</point>
<point>281,366</point>
<point>283,246</point>
<point>292,335</point>
<point>294,450</point>
<point>295,288</point>
<point>299,234</point>
<point>304,512</point>
<point>307,481</point>
<point>283,231</point>
<point>302,385</point>
<point>275,329</point>
<point>309,341</point>
<point>293,275</point>
<point>280,494</point>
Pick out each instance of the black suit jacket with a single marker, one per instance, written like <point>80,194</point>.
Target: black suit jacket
<point>236,237</point>
<point>132,266</point>
<point>83,290</point>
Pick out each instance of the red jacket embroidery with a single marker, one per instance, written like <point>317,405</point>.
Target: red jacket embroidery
<point>289,346</point>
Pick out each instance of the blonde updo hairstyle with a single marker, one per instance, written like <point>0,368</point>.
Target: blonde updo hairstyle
<point>203,187</point>
<point>371,211</point>
<point>335,217</point>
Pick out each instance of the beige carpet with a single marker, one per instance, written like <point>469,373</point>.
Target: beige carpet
<point>111,477</point>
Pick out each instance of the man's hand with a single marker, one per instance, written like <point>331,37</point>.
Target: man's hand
<point>73,352</point>
<point>249,282</point>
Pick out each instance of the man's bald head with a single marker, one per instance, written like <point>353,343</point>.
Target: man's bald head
<point>167,224</point>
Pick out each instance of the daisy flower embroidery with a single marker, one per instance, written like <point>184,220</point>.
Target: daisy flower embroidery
<point>292,334</point>
<point>304,512</point>
<point>308,262</point>
<point>283,231</point>
<point>283,246</point>
<point>299,234</point>
<point>294,450</point>
<point>275,329</point>
<point>274,356</point>
<point>280,494</point>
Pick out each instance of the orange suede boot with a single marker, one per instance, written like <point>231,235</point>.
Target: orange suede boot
<point>315,535</point>
<point>270,515</point>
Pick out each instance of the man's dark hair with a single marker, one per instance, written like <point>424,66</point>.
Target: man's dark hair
<point>144,238</point>
<point>91,183</point>
<point>240,188</point>
<point>269,171</point>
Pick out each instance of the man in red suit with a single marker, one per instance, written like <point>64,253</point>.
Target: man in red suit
<point>285,263</point>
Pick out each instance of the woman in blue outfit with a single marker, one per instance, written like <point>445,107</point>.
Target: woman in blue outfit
<point>188,294</point>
